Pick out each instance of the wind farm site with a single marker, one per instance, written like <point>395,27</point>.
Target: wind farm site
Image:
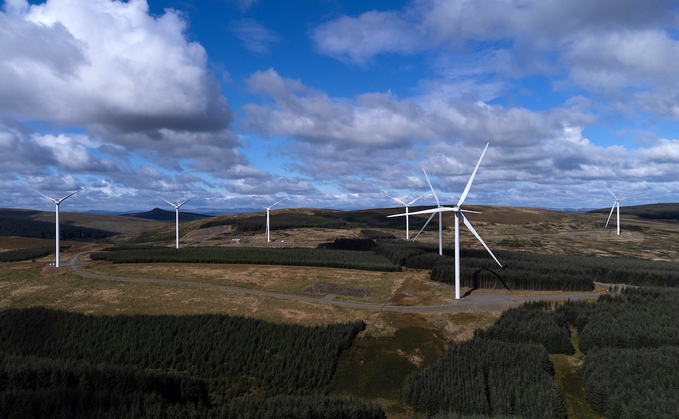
<point>408,345</point>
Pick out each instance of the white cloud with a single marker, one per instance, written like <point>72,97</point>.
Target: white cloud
<point>359,39</point>
<point>490,42</point>
<point>271,185</point>
<point>255,36</point>
<point>106,62</point>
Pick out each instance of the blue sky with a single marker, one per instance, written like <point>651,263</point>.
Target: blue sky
<point>332,102</point>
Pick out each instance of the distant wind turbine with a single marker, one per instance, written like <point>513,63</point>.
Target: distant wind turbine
<point>57,202</point>
<point>176,211</point>
<point>457,209</point>
<point>407,206</point>
<point>616,203</point>
<point>268,238</point>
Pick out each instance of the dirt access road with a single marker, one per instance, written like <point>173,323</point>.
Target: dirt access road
<point>478,302</point>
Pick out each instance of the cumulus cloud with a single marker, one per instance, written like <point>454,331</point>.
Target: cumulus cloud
<point>630,46</point>
<point>328,143</point>
<point>106,62</point>
<point>271,185</point>
<point>310,115</point>
<point>132,83</point>
<point>358,39</point>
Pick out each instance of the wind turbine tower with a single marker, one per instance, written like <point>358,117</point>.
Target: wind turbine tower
<point>268,209</point>
<point>407,206</point>
<point>176,212</point>
<point>616,204</point>
<point>459,214</point>
<point>57,202</point>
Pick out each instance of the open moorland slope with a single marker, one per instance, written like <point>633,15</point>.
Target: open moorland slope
<point>394,344</point>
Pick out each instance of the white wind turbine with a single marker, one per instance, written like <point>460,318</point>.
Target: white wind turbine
<point>176,211</point>
<point>458,215</point>
<point>616,203</point>
<point>268,238</point>
<point>407,206</point>
<point>57,202</point>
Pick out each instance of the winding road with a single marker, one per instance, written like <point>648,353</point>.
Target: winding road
<point>478,302</point>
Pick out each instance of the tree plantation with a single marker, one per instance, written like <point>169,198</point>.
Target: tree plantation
<point>630,370</point>
<point>157,363</point>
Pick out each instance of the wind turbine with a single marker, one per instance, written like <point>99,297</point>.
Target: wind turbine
<point>407,206</point>
<point>176,211</point>
<point>459,214</point>
<point>268,239</point>
<point>616,203</point>
<point>57,202</point>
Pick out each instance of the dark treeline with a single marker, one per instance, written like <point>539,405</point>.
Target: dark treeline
<point>631,342</point>
<point>459,416</point>
<point>377,219</point>
<point>235,355</point>
<point>46,230</point>
<point>529,271</point>
<point>487,377</point>
<point>282,221</point>
<point>88,404</point>
<point>636,318</point>
<point>343,259</point>
<point>633,383</point>
<point>18,255</point>
<point>361,245</point>
<point>320,219</point>
<point>529,323</point>
<point>652,211</point>
<point>46,374</point>
<point>377,234</point>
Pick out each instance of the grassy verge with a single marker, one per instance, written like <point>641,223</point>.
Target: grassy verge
<point>376,366</point>
<point>568,379</point>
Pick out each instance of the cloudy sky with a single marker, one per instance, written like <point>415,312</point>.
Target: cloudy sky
<point>331,102</point>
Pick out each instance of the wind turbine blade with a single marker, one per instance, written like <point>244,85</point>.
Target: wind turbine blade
<point>473,212</point>
<point>469,226</point>
<point>413,201</point>
<point>51,199</point>
<point>69,195</point>
<point>395,199</point>
<point>185,202</point>
<point>429,211</point>
<point>255,202</point>
<point>471,179</point>
<point>424,226</point>
<point>278,202</point>
<point>629,197</point>
<point>171,203</point>
<point>609,191</point>
<point>609,215</point>
<point>438,204</point>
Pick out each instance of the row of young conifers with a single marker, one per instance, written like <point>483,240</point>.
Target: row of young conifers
<point>57,364</point>
<point>631,343</point>
<point>522,270</point>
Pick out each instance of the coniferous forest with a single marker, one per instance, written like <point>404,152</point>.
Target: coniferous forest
<point>60,364</point>
<point>631,346</point>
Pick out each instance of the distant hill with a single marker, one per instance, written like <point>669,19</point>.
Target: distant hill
<point>668,211</point>
<point>114,223</point>
<point>46,230</point>
<point>164,216</point>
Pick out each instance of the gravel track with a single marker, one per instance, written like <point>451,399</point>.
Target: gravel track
<point>478,302</point>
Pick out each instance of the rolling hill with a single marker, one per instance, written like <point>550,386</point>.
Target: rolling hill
<point>668,211</point>
<point>114,223</point>
<point>161,215</point>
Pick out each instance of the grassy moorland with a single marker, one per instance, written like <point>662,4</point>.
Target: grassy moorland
<point>396,345</point>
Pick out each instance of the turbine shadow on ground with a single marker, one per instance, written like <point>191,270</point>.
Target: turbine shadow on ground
<point>476,281</point>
